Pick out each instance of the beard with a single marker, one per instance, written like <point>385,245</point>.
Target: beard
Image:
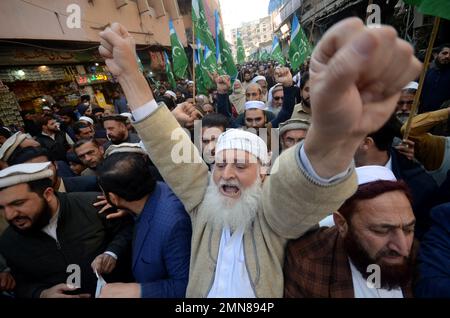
<point>38,222</point>
<point>402,117</point>
<point>223,211</point>
<point>306,102</point>
<point>117,139</point>
<point>392,276</point>
<point>444,65</point>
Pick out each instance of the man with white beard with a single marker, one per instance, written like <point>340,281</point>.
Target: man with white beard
<point>353,94</point>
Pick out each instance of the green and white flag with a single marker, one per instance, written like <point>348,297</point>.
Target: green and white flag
<point>169,73</point>
<point>300,48</point>
<point>201,26</point>
<point>179,57</point>
<point>223,52</point>
<point>277,53</point>
<point>438,8</point>
<point>240,50</point>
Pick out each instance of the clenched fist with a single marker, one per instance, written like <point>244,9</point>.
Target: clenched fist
<point>356,74</point>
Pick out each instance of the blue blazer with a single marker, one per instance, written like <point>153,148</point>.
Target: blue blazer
<point>434,256</point>
<point>162,246</point>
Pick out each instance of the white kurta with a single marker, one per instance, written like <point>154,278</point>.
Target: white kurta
<point>363,291</point>
<point>231,278</point>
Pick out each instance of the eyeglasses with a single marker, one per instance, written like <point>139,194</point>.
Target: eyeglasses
<point>278,98</point>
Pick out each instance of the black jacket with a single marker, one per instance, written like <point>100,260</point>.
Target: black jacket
<point>56,148</point>
<point>39,262</point>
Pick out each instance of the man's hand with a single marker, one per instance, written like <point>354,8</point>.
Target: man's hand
<point>104,263</point>
<point>106,206</point>
<point>283,76</point>
<point>121,290</point>
<point>223,84</point>
<point>186,114</point>
<point>357,74</point>
<point>406,148</point>
<point>118,49</point>
<point>7,282</point>
<point>57,291</point>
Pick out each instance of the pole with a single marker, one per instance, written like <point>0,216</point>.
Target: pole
<point>415,105</point>
<point>193,59</point>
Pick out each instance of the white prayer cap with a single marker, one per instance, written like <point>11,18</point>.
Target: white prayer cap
<point>171,94</point>
<point>129,116</point>
<point>124,147</point>
<point>10,145</point>
<point>236,139</point>
<point>255,104</point>
<point>368,174</point>
<point>412,85</point>
<point>46,108</point>
<point>86,118</point>
<point>259,78</point>
<point>24,172</point>
<point>190,83</point>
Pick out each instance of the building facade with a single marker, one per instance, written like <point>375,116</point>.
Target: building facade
<point>254,34</point>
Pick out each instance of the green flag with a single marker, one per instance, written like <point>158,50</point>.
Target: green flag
<point>205,81</point>
<point>169,73</point>
<point>300,48</point>
<point>240,50</point>
<point>277,54</point>
<point>209,67</point>
<point>201,26</point>
<point>438,8</point>
<point>198,71</point>
<point>223,54</point>
<point>179,57</point>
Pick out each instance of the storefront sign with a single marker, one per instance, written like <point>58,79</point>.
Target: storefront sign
<point>92,79</point>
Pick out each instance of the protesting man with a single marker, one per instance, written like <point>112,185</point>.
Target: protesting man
<point>373,227</point>
<point>240,227</point>
<point>51,232</point>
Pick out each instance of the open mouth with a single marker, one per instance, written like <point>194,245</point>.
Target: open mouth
<point>20,223</point>
<point>230,190</point>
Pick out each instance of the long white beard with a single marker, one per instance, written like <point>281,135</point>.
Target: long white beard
<point>222,211</point>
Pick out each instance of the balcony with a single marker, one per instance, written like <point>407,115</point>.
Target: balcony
<point>289,8</point>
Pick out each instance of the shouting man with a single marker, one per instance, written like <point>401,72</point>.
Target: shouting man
<point>238,242</point>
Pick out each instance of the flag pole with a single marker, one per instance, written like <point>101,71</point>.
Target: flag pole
<point>415,105</point>
<point>193,59</point>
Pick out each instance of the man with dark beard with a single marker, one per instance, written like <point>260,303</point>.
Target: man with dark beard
<point>374,232</point>
<point>117,131</point>
<point>161,245</point>
<point>437,81</point>
<point>303,110</point>
<point>54,237</point>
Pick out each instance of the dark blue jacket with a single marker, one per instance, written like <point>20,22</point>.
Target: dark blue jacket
<point>422,186</point>
<point>434,256</point>
<point>162,246</point>
<point>436,89</point>
<point>81,184</point>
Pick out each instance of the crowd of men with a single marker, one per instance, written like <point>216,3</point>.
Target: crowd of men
<point>277,184</point>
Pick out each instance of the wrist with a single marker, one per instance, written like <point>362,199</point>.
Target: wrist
<point>330,156</point>
<point>136,89</point>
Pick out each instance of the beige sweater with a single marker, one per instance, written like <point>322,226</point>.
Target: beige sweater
<point>292,204</point>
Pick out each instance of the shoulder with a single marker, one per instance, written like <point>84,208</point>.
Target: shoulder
<point>441,215</point>
<point>316,244</point>
<point>172,205</point>
<point>79,198</point>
